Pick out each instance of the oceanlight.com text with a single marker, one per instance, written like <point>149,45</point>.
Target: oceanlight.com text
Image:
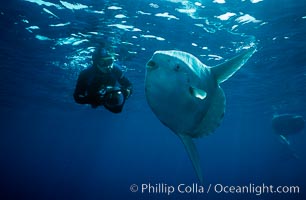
<point>256,189</point>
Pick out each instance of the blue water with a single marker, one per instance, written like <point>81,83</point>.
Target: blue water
<point>53,148</point>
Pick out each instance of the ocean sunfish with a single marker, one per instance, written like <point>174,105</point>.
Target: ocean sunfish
<point>185,94</point>
<point>287,124</point>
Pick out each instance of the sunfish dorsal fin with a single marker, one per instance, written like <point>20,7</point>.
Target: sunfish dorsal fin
<point>225,70</point>
<point>193,155</point>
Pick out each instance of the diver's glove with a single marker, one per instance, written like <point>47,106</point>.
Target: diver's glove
<point>126,92</point>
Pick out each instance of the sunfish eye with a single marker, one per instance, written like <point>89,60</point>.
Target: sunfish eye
<point>151,64</point>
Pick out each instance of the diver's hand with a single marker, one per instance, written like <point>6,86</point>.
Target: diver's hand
<point>80,98</point>
<point>127,93</point>
<point>96,100</point>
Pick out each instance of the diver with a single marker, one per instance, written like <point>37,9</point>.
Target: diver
<point>103,83</point>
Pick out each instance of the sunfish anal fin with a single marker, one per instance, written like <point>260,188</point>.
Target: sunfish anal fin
<point>284,140</point>
<point>193,155</point>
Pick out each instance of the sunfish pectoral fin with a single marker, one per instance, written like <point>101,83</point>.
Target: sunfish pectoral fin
<point>193,155</point>
<point>198,93</point>
<point>225,70</point>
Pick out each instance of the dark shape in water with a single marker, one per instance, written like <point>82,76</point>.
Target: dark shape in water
<point>287,124</point>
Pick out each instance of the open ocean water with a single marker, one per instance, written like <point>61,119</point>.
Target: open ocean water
<point>52,148</point>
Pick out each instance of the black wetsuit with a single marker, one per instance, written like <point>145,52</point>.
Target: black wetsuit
<point>91,81</point>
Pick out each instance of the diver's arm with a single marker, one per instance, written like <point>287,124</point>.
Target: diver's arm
<point>125,83</point>
<point>80,89</point>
